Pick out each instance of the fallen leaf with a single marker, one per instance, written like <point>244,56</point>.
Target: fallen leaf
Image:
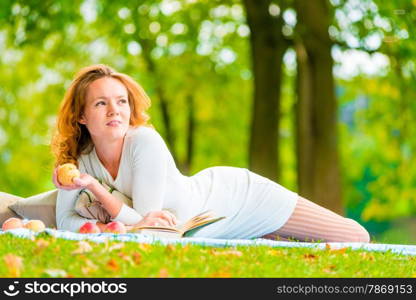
<point>86,270</point>
<point>57,249</point>
<point>55,273</point>
<point>137,258</point>
<point>309,256</point>
<point>163,273</point>
<point>222,273</point>
<point>90,264</point>
<point>227,252</point>
<point>40,245</point>
<point>112,264</point>
<point>126,257</point>
<point>335,250</point>
<point>14,264</point>
<point>329,269</point>
<point>169,248</point>
<point>106,243</point>
<point>367,256</point>
<point>275,252</point>
<point>89,267</point>
<point>82,257</point>
<point>145,247</point>
<point>116,246</point>
<point>83,247</point>
<point>339,251</point>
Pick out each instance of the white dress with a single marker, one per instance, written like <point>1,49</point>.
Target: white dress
<point>252,204</point>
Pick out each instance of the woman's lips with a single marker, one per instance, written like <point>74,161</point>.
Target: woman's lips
<point>113,123</point>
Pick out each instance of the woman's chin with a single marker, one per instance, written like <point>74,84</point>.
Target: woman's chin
<point>116,132</point>
<point>110,133</point>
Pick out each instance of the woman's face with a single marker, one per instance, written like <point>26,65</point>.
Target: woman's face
<point>107,110</point>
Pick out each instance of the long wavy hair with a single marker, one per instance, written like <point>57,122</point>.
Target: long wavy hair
<point>70,138</point>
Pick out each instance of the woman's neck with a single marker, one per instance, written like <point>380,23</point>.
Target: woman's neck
<point>109,153</point>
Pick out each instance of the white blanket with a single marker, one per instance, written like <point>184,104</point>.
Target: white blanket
<point>141,238</point>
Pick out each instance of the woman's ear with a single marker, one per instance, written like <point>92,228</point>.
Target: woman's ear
<point>82,120</point>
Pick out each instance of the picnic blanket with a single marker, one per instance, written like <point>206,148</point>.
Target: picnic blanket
<point>141,238</point>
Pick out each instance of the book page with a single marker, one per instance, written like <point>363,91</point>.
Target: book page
<point>161,233</point>
<point>200,221</point>
<point>161,228</point>
<point>196,227</point>
<point>205,217</point>
<point>193,222</point>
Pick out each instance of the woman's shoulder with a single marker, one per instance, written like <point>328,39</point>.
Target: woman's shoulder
<point>143,134</point>
<point>141,129</point>
<point>83,160</point>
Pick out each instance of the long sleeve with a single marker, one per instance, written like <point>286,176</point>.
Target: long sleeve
<point>128,215</point>
<point>66,216</point>
<point>149,171</point>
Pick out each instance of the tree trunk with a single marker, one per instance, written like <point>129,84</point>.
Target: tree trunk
<point>316,112</point>
<point>163,101</point>
<point>268,47</point>
<point>190,141</point>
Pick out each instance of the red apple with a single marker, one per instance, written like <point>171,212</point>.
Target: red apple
<point>12,223</point>
<point>89,228</point>
<point>115,227</point>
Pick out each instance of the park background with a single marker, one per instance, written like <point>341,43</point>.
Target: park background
<point>316,95</point>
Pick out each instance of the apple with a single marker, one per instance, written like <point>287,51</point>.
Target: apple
<point>89,227</point>
<point>12,223</point>
<point>67,172</point>
<point>35,225</point>
<point>115,227</point>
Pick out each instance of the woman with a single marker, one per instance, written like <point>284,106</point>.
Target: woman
<point>102,127</point>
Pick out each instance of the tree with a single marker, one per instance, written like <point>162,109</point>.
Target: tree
<point>268,46</point>
<point>316,111</point>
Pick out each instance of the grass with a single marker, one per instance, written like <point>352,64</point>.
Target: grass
<point>46,256</point>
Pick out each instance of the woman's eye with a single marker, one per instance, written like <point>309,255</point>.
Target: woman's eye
<point>99,103</point>
<point>123,101</point>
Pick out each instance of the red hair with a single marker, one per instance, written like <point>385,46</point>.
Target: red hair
<point>71,139</point>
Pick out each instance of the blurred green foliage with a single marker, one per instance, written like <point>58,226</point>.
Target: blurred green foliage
<point>200,48</point>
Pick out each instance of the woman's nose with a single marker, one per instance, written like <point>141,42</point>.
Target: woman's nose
<point>112,109</point>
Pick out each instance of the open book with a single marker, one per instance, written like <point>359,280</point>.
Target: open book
<point>182,230</point>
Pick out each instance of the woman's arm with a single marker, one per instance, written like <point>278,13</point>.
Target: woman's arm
<point>148,160</point>
<point>149,170</point>
<point>118,210</point>
<point>111,204</point>
<point>66,216</point>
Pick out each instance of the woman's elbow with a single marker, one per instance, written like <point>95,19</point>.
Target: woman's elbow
<point>63,223</point>
<point>60,224</point>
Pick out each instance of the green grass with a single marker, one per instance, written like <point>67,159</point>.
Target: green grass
<point>46,256</point>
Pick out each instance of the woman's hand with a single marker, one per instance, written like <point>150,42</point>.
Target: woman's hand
<point>84,181</point>
<point>158,218</point>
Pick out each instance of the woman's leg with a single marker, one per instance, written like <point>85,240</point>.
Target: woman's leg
<point>311,222</point>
